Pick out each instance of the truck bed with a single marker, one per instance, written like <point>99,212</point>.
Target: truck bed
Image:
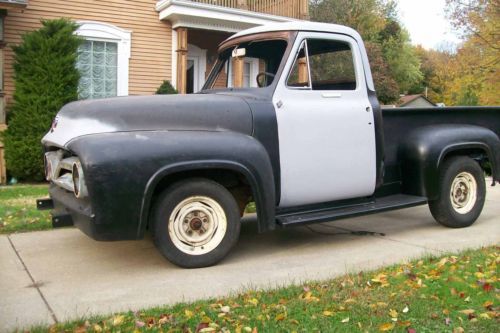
<point>398,123</point>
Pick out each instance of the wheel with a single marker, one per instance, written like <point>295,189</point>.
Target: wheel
<point>462,191</point>
<point>196,223</point>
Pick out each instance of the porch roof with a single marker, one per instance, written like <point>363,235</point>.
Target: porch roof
<point>192,14</point>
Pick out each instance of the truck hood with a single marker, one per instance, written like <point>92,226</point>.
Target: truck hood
<point>197,112</point>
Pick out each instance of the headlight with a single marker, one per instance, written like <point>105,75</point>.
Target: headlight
<point>79,187</point>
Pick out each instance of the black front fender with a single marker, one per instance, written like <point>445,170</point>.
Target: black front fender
<point>423,151</point>
<point>123,169</point>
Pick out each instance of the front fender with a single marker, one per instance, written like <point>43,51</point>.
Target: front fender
<point>423,151</point>
<point>123,169</point>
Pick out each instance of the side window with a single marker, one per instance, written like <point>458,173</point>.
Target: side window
<point>331,65</point>
<point>299,76</point>
<point>97,63</point>
<point>323,65</point>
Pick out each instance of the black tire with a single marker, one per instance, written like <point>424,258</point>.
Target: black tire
<point>443,208</point>
<point>174,196</point>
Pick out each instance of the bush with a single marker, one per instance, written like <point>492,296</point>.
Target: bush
<point>46,78</point>
<point>166,88</point>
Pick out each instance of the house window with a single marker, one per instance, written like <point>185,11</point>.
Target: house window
<point>103,60</point>
<point>98,66</point>
<point>250,71</point>
<point>246,74</point>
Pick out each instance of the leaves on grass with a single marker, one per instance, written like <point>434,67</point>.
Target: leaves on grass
<point>386,327</point>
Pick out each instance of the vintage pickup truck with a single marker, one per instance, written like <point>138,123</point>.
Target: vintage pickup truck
<point>307,141</point>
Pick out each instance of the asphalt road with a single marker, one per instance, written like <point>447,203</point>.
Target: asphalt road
<point>60,275</point>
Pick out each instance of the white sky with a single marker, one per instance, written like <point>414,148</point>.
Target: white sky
<point>426,21</point>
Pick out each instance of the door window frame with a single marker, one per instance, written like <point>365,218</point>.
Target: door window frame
<point>302,38</point>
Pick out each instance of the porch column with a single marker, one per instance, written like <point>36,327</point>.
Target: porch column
<point>182,49</point>
<point>304,10</point>
<point>238,72</point>
<point>303,73</point>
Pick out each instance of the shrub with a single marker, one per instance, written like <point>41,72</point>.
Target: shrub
<point>166,88</point>
<point>46,78</point>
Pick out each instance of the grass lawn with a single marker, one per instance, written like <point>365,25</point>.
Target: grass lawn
<point>18,211</point>
<point>453,293</point>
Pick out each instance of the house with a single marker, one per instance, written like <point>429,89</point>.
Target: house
<point>415,101</point>
<point>144,41</point>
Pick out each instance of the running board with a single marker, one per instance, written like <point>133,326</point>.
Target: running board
<point>383,204</point>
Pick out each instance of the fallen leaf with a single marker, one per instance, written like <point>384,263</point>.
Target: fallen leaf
<point>488,305</point>
<point>447,321</point>
<point>189,314</point>
<point>393,313</point>
<point>118,320</point>
<point>411,330</point>
<point>139,324</point>
<point>484,316</point>
<point>280,317</point>
<point>207,330</point>
<point>345,320</point>
<point>327,313</point>
<point>225,309</point>
<point>97,328</point>
<point>487,287</point>
<point>406,309</point>
<point>468,311</point>
<point>386,327</point>
<point>458,330</point>
<point>247,329</point>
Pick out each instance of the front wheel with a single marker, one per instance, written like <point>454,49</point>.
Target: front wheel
<point>196,223</point>
<point>462,192</point>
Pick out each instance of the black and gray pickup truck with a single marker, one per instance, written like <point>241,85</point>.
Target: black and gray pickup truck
<point>306,140</point>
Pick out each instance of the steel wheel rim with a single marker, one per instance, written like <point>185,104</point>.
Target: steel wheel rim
<point>197,225</point>
<point>463,193</point>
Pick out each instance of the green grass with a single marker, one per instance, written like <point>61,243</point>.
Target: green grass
<point>453,293</point>
<point>18,211</point>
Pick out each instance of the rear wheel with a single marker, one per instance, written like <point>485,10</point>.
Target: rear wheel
<point>462,191</point>
<point>196,223</point>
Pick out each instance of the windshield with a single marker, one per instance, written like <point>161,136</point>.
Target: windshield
<point>251,64</point>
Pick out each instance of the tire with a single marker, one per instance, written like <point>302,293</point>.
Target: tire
<point>462,192</point>
<point>196,223</point>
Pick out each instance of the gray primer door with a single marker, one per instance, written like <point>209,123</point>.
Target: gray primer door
<point>326,131</point>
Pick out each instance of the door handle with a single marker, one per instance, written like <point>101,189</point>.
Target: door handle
<point>331,95</point>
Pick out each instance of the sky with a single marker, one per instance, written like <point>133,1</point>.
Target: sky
<point>427,23</point>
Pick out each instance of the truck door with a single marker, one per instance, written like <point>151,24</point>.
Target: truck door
<point>325,123</point>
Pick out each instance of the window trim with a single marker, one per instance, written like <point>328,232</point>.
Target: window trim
<point>309,85</point>
<point>104,32</point>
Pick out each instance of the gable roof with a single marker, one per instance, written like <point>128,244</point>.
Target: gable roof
<point>404,100</point>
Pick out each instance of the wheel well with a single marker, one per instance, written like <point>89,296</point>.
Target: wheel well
<point>477,154</point>
<point>234,182</point>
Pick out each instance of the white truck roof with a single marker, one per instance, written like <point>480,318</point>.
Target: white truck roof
<point>299,26</point>
<point>316,27</point>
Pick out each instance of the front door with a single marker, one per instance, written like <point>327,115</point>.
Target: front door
<point>325,124</point>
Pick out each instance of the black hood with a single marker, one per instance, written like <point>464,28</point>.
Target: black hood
<point>196,112</point>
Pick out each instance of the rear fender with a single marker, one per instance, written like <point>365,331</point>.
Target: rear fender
<point>425,149</point>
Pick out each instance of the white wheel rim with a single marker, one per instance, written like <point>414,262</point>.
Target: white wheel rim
<point>197,225</point>
<point>463,193</point>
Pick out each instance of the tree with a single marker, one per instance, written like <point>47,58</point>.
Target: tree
<point>45,79</point>
<point>395,65</point>
<point>386,87</point>
<point>478,58</point>
<point>166,88</point>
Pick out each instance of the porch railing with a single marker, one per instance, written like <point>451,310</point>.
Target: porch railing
<point>298,9</point>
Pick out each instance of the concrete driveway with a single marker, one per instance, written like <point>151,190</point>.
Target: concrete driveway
<point>59,275</point>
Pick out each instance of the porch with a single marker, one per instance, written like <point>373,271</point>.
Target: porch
<point>199,26</point>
